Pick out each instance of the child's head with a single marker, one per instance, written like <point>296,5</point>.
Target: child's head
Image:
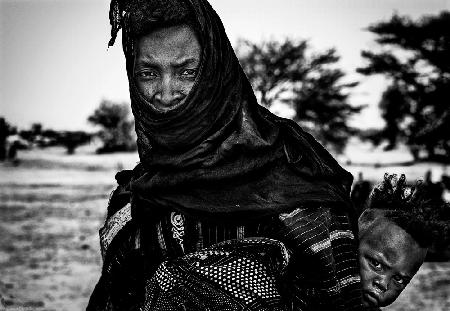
<point>394,232</point>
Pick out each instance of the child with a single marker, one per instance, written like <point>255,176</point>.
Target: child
<point>395,231</point>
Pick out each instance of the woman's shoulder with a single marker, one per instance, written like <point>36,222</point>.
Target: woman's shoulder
<point>121,195</point>
<point>118,211</point>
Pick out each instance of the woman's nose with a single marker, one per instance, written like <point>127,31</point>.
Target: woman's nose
<point>170,93</point>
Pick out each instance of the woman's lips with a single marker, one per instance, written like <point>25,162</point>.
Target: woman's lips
<point>371,299</point>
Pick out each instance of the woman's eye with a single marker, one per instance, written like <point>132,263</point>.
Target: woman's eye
<point>145,74</point>
<point>189,73</point>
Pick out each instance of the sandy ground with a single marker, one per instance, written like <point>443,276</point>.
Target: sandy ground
<point>429,290</point>
<point>49,249</point>
<point>52,205</point>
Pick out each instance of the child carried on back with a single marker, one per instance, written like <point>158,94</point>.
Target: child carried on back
<point>396,229</point>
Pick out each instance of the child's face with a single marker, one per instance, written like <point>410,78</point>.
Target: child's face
<point>389,258</point>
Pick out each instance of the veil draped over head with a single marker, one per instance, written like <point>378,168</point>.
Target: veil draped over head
<point>220,153</point>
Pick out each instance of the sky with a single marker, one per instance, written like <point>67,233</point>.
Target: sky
<point>55,66</point>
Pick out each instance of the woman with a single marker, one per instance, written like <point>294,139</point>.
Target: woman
<point>215,166</point>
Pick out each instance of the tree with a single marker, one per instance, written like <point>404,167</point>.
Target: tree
<point>73,139</point>
<point>308,82</point>
<point>36,129</point>
<point>415,58</point>
<point>117,128</point>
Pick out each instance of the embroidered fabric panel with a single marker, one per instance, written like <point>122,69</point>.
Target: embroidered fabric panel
<point>177,221</point>
<point>177,235</point>
<point>112,226</point>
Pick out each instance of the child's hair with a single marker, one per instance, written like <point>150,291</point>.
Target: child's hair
<point>411,208</point>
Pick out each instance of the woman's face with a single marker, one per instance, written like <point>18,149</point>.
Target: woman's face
<point>166,64</point>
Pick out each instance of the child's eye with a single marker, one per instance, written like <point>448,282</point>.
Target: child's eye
<point>399,280</point>
<point>375,263</point>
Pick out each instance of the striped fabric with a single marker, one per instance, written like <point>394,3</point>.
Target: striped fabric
<point>323,273</point>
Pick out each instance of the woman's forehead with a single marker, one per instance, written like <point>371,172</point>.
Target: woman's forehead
<point>173,35</point>
<point>172,42</point>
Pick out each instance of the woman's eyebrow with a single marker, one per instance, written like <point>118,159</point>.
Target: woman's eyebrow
<point>186,61</point>
<point>145,62</point>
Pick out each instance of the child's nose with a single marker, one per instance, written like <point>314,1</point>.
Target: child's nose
<point>381,283</point>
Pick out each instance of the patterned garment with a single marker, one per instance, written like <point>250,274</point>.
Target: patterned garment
<point>322,273</point>
<point>232,275</point>
<point>222,167</point>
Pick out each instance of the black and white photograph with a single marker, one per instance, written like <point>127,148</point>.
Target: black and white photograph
<point>170,155</point>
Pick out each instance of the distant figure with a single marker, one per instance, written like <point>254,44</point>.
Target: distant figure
<point>445,181</point>
<point>3,135</point>
<point>436,190</point>
<point>13,145</point>
<point>395,231</point>
<point>360,192</point>
<point>12,152</point>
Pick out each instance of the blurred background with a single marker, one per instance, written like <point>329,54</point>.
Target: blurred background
<point>369,79</point>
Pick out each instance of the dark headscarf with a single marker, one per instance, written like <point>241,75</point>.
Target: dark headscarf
<point>220,153</point>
